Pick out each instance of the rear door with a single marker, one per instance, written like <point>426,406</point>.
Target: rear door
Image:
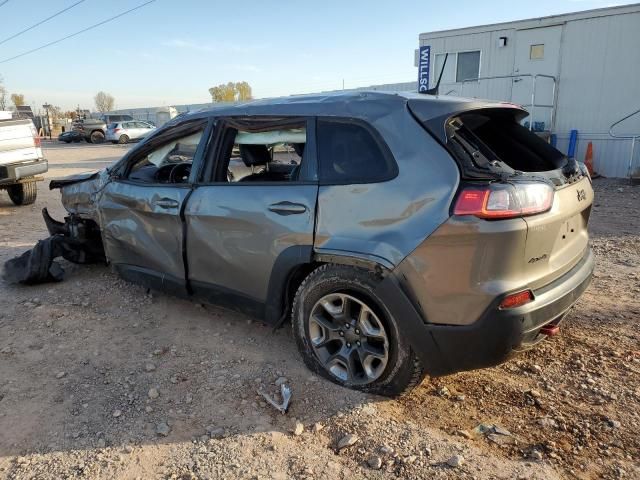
<point>251,218</point>
<point>131,129</point>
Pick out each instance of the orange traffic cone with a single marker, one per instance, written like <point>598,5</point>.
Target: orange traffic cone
<point>588,159</point>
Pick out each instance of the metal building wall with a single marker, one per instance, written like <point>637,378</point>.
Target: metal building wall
<point>598,75</point>
<point>494,61</point>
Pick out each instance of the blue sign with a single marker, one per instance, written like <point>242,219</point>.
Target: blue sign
<point>424,64</point>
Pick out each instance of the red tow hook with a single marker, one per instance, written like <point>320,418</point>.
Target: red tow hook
<point>550,330</point>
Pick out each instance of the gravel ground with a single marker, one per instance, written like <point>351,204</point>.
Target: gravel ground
<point>101,379</point>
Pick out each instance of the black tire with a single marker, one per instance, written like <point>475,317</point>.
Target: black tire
<point>23,193</point>
<point>96,137</point>
<point>123,139</point>
<point>402,371</point>
<point>67,141</point>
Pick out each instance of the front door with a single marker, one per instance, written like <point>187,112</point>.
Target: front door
<point>140,212</point>
<point>537,52</point>
<point>251,220</point>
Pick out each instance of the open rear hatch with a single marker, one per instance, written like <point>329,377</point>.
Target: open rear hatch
<point>510,172</point>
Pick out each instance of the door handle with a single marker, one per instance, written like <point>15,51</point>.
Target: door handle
<point>166,203</point>
<point>287,208</point>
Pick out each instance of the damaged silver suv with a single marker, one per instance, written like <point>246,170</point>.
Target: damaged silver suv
<point>404,235</point>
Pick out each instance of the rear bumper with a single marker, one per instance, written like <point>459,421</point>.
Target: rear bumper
<point>16,171</point>
<point>497,334</point>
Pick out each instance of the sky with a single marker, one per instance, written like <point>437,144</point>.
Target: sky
<point>172,51</point>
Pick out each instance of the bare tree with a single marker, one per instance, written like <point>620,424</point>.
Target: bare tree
<point>231,92</point>
<point>17,99</point>
<point>104,102</point>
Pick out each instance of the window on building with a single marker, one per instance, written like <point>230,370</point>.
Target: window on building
<point>350,153</point>
<point>536,52</point>
<point>468,66</point>
<point>449,75</point>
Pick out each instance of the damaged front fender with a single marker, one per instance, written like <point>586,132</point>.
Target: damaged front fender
<point>80,193</point>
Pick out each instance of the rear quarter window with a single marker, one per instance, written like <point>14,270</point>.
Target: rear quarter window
<point>351,152</point>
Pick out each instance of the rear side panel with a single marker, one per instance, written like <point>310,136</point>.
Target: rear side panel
<point>385,221</point>
<point>454,275</point>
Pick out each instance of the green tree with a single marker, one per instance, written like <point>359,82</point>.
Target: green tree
<point>104,102</point>
<point>231,92</point>
<point>243,90</point>
<point>17,99</point>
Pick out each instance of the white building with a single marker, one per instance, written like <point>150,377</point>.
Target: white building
<point>585,67</point>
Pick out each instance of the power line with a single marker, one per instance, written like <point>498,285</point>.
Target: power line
<point>39,23</point>
<point>76,33</point>
<point>2,3</point>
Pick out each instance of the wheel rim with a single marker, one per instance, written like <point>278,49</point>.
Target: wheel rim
<point>348,338</point>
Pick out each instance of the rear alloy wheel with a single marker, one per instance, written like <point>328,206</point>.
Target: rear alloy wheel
<point>348,338</point>
<point>97,137</point>
<point>345,333</point>
<point>123,139</point>
<point>23,193</point>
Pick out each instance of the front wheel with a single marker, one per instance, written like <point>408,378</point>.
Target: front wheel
<point>123,139</point>
<point>23,193</point>
<point>347,335</point>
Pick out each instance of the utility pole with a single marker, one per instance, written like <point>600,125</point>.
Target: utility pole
<point>46,107</point>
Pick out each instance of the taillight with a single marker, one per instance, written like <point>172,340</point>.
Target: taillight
<point>37,142</point>
<point>504,200</point>
<point>116,130</point>
<point>516,300</point>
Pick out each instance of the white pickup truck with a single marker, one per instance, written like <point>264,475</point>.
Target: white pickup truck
<point>21,160</point>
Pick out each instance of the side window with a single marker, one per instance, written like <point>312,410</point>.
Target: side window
<point>349,153</point>
<point>259,153</point>
<point>169,162</point>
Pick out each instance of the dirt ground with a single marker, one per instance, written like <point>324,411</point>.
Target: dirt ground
<point>101,379</point>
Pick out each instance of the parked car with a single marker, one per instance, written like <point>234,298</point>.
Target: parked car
<point>124,132</point>
<point>403,234</point>
<point>71,136</point>
<point>21,160</point>
<point>113,117</point>
<point>94,130</point>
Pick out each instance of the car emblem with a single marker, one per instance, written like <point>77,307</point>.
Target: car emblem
<point>582,195</point>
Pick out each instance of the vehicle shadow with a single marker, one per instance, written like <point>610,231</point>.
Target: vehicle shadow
<point>83,360</point>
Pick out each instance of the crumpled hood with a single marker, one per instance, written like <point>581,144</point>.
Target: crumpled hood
<point>80,192</point>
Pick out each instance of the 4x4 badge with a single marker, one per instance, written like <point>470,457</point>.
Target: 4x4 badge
<point>582,195</point>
